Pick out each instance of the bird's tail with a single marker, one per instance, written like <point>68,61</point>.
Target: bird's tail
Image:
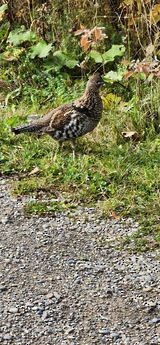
<point>27,128</point>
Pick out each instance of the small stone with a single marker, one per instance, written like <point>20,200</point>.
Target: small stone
<point>78,280</point>
<point>71,261</point>
<point>3,288</point>
<point>13,310</point>
<point>109,292</point>
<point>7,336</point>
<point>155,320</point>
<point>28,305</point>
<point>69,330</point>
<point>104,331</point>
<point>147,289</point>
<point>40,310</point>
<point>99,268</point>
<point>50,295</point>
<point>115,335</point>
<point>44,315</point>
<point>151,306</point>
<point>4,220</point>
<point>57,295</point>
<point>50,330</point>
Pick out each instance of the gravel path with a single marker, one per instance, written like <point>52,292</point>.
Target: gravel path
<point>66,280</point>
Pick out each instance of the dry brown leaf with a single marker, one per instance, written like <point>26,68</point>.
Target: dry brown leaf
<point>149,49</point>
<point>97,34</point>
<point>81,30</point>
<point>34,171</point>
<point>115,215</point>
<point>85,43</point>
<point>128,74</point>
<point>125,62</point>
<point>130,135</point>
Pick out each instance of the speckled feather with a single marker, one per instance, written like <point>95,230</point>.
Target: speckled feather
<point>71,120</point>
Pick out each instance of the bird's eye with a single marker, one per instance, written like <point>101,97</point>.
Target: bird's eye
<point>100,82</point>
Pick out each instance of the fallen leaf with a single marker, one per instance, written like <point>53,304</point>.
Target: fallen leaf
<point>128,74</point>
<point>34,171</point>
<point>150,49</point>
<point>81,30</point>
<point>115,215</point>
<point>130,135</point>
<point>85,43</point>
<point>98,34</point>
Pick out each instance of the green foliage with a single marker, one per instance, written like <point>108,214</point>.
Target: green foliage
<point>117,50</point>
<point>19,36</point>
<point>113,76</point>
<point>46,207</point>
<point>62,59</point>
<point>41,49</point>
<point>3,8</point>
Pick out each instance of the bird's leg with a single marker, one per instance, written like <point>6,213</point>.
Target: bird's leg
<point>73,141</point>
<point>58,149</point>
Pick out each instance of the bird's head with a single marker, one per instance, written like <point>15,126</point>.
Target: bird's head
<point>95,81</point>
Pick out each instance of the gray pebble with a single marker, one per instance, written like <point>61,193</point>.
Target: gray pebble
<point>155,320</point>
<point>13,310</point>
<point>7,336</point>
<point>44,315</point>
<point>104,331</point>
<point>57,295</point>
<point>115,335</point>
<point>4,220</point>
<point>3,288</point>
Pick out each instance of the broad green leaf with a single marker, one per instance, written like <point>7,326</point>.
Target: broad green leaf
<point>113,76</point>
<point>116,50</point>
<point>96,56</point>
<point>60,58</point>
<point>71,63</point>
<point>18,37</point>
<point>3,7</point>
<point>41,50</point>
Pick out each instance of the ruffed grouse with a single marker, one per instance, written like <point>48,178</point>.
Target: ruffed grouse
<point>72,120</point>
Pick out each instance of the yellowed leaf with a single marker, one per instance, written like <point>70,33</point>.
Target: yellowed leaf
<point>2,15</point>
<point>110,100</point>
<point>155,14</point>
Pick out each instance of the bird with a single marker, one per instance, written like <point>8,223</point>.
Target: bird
<point>72,120</point>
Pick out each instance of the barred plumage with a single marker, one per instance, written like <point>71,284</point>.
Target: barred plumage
<point>71,120</point>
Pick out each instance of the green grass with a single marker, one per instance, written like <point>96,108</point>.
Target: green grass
<point>120,178</point>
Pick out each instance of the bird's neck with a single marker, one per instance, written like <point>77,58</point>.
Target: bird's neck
<point>91,94</point>
<point>91,91</point>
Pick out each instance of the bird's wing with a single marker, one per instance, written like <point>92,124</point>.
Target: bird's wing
<point>45,120</point>
<point>60,118</point>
